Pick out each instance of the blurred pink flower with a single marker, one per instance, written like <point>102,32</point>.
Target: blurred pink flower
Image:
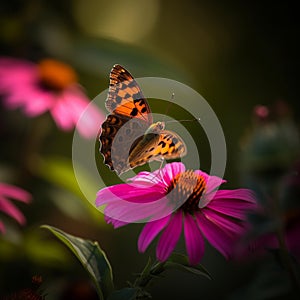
<point>258,246</point>
<point>50,86</point>
<point>187,199</point>
<point>9,191</point>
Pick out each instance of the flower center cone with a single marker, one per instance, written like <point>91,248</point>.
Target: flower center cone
<point>56,75</point>
<point>187,189</point>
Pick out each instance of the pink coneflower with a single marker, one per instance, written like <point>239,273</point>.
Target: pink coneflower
<point>9,191</point>
<point>188,200</point>
<point>263,244</point>
<point>51,86</point>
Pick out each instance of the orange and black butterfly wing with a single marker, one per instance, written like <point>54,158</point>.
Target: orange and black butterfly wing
<point>117,137</point>
<point>125,102</point>
<point>109,129</point>
<point>156,146</point>
<point>125,97</point>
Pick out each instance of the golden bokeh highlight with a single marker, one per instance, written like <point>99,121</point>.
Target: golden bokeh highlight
<point>127,21</point>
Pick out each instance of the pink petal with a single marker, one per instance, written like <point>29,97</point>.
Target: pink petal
<point>150,231</point>
<point>193,240</point>
<point>228,223</point>
<point>202,174</point>
<point>73,108</point>
<point>162,177</point>
<point>19,83</point>
<point>169,237</point>
<point>212,183</point>
<point>38,102</point>
<point>16,72</point>
<point>234,203</point>
<point>89,122</point>
<point>7,207</point>
<point>115,223</point>
<point>129,193</point>
<point>14,192</point>
<point>128,203</point>
<point>171,170</point>
<point>137,212</point>
<point>33,100</point>
<point>216,236</point>
<point>61,114</point>
<point>75,100</point>
<point>241,194</point>
<point>18,97</point>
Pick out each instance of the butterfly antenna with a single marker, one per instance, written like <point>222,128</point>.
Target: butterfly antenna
<point>169,105</point>
<point>181,121</point>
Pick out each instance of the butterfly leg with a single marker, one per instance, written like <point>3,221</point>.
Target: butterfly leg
<point>158,173</point>
<point>162,160</point>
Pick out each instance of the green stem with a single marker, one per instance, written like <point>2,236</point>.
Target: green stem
<point>145,278</point>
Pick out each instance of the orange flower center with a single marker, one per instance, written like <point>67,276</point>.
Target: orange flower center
<point>56,75</point>
<point>187,188</point>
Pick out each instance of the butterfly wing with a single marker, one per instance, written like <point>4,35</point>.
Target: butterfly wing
<point>125,97</point>
<point>155,146</point>
<point>125,102</point>
<point>109,129</point>
<point>116,147</point>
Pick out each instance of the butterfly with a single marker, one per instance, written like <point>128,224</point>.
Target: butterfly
<point>128,136</point>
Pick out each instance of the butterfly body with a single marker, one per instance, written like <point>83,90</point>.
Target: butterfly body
<point>128,137</point>
<point>156,127</point>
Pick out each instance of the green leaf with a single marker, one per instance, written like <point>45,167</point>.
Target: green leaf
<point>180,261</point>
<point>92,257</point>
<point>124,294</point>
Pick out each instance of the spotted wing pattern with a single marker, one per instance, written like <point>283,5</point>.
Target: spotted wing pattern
<point>125,141</point>
<point>125,96</point>
<point>156,146</point>
<point>125,102</point>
